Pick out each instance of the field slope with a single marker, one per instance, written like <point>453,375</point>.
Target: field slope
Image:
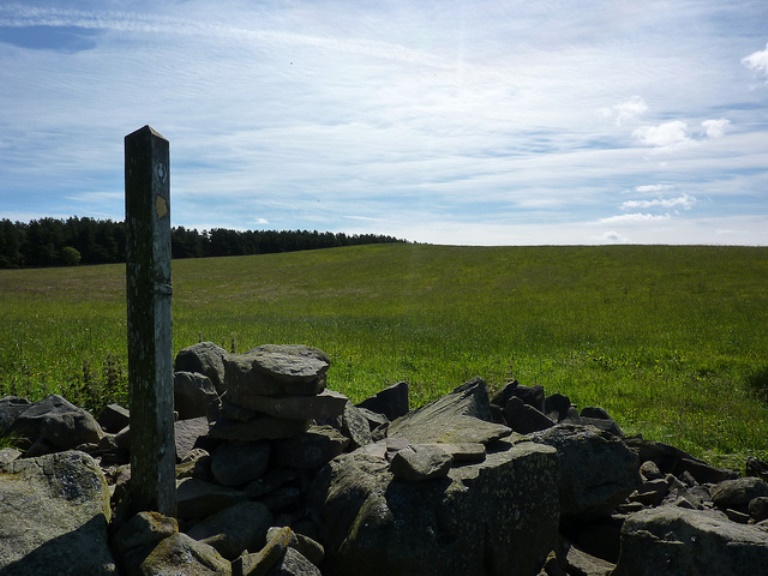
<point>672,341</point>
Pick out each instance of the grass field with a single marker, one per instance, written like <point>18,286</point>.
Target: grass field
<point>672,341</point>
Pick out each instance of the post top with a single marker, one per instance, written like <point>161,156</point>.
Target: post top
<point>146,131</point>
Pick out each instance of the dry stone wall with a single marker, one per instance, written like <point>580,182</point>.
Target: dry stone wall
<point>276,474</point>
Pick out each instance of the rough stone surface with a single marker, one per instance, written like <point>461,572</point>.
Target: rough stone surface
<point>355,426</point>
<point>265,428</point>
<point>204,358</point>
<point>10,408</point>
<point>59,423</point>
<point>524,418</point>
<point>235,529</point>
<point>462,416</point>
<point>237,464</point>
<point>326,404</point>
<point>739,492</point>
<point>180,554</point>
<point>187,435</point>
<point>294,563</point>
<point>197,499</point>
<point>421,462</point>
<point>114,418</point>
<point>193,393</point>
<point>54,512</point>
<point>311,449</point>
<point>392,402</point>
<point>597,470</point>
<point>495,517</point>
<point>672,540</point>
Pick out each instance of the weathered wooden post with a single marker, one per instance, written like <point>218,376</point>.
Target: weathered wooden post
<point>150,353</point>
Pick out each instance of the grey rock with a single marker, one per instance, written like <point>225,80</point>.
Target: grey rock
<point>524,418</point>
<point>9,455</point>
<point>259,563</point>
<point>142,530</point>
<point>273,479</point>
<point>264,428</point>
<point>672,540</point>
<point>650,471</point>
<point>234,530</point>
<point>54,513</point>
<point>193,394</point>
<point>273,370</point>
<point>462,416</point>
<point>188,433</point>
<point>597,470</point>
<point>739,492</point>
<point>294,563</point>
<point>355,426</point>
<point>758,508</point>
<point>57,422</point>
<point>114,418</point>
<point>392,402</point>
<point>284,497</point>
<point>197,499</point>
<point>10,408</point>
<point>310,450</point>
<point>583,564</point>
<point>671,460</point>
<point>495,517</point>
<point>556,406</point>
<point>421,462</point>
<point>237,464</point>
<point>204,358</point>
<point>326,404</point>
<point>180,554</point>
<point>308,547</point>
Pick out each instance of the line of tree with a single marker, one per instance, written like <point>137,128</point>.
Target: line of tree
<point>58,242</point>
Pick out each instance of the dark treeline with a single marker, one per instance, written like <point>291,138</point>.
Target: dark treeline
<point>55,242</point>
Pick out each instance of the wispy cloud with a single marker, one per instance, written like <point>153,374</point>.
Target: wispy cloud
<point>757,61</point>
<point>507,123</point>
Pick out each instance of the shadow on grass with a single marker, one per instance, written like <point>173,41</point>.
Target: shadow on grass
<point>758,383</point>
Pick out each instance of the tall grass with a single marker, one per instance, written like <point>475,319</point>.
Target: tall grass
<point>671,340</point>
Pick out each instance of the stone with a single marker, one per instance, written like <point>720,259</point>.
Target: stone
<point>597,470</point>
<point>310,450</point>
<point>421,462</point>
<point>355,426</point>
<point>462,416</point>
<point>203,358</point>
<point>671,460</point>
<point>326,404</point>
<point>392,402</point>
<point>294,563</point>
<point>237,464</point>
<point>10,408</point>
<point>650,471</point>
<point>264,428</point>
<point>135,539</point>
<point>9,455</point>
<point>57,422</point>
<point>274,370</point>
<point>114,418</point>
<point>234,530</point>
<point>309,548</point>
<point>531,395</point>
<point>495,517</point>
<point>180,554</point>
<point>54,513</point>
<point>284,497</point>
<point>197,499</point>
<point>583,564</point>
<point>272,480</point>
<point>556,406</point>
<point>463,453</point>
<point>758,508</point>
<point>739,492</point>
<point>193,394</point>
<point>259,563</point>
<point>196,464</point>
<point>673,540</point>
<point>754,467</point>
<point>524,418</point>
<point>187,435</point>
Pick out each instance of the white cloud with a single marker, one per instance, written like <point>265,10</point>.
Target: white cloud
<point>628,110</point>
<point>635,218</point>
<point>260,222</point>
<point>685,202</point>
<point>757,61</point>
<point>715,128</point>
<point>653,188</point>
<point>611,237</point>
<point>667,134</point>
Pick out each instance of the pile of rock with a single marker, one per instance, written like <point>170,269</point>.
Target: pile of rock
<point>278,475</point>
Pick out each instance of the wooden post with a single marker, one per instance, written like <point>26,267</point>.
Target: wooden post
<point>150,353</point>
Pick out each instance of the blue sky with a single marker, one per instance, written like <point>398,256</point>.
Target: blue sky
<point>453,122</point>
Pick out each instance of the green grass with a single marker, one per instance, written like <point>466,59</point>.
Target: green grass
<point>672,341</point>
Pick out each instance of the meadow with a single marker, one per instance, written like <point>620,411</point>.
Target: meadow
<point>672,341</point>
